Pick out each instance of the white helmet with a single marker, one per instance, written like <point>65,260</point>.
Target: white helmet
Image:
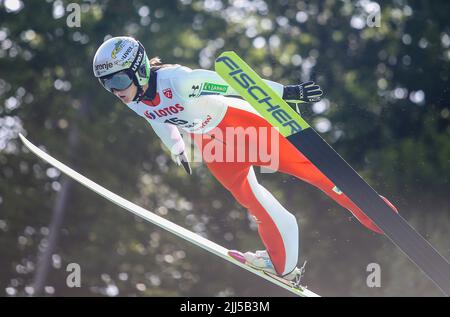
<point>121,61</point>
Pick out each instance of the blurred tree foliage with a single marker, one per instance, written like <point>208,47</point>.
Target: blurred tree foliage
<point>386,111</point>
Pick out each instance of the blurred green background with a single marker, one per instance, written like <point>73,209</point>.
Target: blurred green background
<point>386,111</point>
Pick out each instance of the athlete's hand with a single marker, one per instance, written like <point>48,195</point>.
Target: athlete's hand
<point>181,159</point>
<point>304,92</point>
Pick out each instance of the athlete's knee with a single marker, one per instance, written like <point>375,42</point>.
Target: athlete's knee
<point>242,197</point>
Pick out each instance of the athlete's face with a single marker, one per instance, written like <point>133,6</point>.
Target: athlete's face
<point>127,95</point>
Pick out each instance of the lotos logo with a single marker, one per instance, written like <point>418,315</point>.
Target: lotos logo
<point>164,112</point>
<point>150,115</point>
<point>168,93</point>
<point>103,66</point>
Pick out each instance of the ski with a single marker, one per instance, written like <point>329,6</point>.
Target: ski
<point>295,284</point>
<point>159,221</point>
<point>291,125</point>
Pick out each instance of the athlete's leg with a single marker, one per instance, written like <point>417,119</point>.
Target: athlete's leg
<point>292,162</point>
<point>295,163</point>
<point>276,226</point>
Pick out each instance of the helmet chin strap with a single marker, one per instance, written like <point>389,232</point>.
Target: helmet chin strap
<point>139,93</point>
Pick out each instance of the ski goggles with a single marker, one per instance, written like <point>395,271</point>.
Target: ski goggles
<point>117,81</point>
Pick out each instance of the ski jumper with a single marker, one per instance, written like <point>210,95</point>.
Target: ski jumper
<point>201,103</point>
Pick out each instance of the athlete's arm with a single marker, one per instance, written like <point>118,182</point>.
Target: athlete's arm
<point>172,139</point>
<point>169,135</point>
<point>304,92</point>
<point>199,82</point>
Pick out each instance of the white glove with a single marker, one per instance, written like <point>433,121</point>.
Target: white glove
<point>181,159</point>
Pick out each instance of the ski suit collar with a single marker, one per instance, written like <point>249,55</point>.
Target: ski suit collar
<point>150,93</point>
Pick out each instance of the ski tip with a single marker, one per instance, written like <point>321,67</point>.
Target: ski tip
<point>25,141</point>
<point>225,54</point>
<point>237,256</point>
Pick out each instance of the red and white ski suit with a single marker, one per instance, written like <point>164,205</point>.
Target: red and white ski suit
<point>201,103</point>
